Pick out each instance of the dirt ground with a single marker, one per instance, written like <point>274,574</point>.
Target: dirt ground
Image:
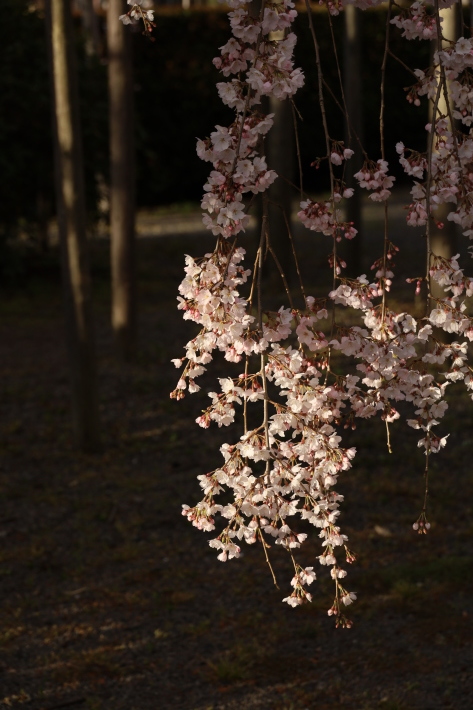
<point>112,601</point>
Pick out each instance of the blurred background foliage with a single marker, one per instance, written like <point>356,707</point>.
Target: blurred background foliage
<point>175,102</point>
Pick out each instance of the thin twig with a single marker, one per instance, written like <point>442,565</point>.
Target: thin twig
<point>394,56</point>
<point>263,242</point>
<point>245,398</point>
<point>321,92</point>
<point>383,157</point>
<point>430,150</point>
<point>299,160</point>
<point>347,119</point>
<point>327,141</point>
<point>296,260</point>
<point>282,275</point>
<point>383,80</point>
<point>254,280</point>
<point>264,222</point>
<point>334,45</point>
<point>426,475</point>
<point>267,558</point>
<point>388,437</point>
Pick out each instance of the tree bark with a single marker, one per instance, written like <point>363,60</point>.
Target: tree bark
<point>122,180</point>
<point>444,241</point>
<point>91,27</point>
<point>71,222</point>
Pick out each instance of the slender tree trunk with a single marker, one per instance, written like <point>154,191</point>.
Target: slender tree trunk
<point>91,27</point>
<point>71,219</point>
<point>352,250</point>
<point>122,200</point>
<point>444,241</point>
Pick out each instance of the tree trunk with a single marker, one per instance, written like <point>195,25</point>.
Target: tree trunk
<point>444,241</point>
<point>91,27</point>
<point>122,200</point>
<point>72,232</point>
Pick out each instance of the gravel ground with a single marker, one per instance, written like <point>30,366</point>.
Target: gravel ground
<point>112,601</point>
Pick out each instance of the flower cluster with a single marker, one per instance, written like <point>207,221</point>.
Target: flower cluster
<point>448,169</point>
<point>140,10</point>
<point>263,67</point>
<point>374,176</point>
<point>414,164</point>
<point>320,217</point>
<point>417,21</point>
<point>282,473</point>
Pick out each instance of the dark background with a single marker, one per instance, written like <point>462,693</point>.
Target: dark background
<point>175,101</point>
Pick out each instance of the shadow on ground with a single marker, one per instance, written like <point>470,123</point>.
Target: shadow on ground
<point>110,600</point>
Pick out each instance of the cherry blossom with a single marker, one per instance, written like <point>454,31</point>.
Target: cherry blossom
<point>279,477</point>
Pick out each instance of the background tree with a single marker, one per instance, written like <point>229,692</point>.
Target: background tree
<point>71,221</point>
<point>122,180</point>
<point>445,239</point>
<point>90,23</point>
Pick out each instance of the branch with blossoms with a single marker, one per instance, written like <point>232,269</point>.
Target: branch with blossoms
<point>286,468</point>
<point>140,11</point>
